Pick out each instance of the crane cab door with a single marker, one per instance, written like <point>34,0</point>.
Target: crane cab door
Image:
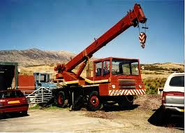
<point>102,70</point>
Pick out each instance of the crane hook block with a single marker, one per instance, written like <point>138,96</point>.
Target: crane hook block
<point>142,39</point>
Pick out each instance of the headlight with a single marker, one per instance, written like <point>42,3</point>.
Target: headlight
<point>113,86</point>
<point>140,86</point>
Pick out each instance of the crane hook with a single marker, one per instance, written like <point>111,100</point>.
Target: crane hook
<point>142,36</point>
<point>142,39</point>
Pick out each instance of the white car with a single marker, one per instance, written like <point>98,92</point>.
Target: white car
<point>173,95</point>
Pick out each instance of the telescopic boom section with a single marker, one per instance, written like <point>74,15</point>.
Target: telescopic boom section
<point>133,17</point>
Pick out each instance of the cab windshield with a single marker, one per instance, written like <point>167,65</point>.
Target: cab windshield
<point>125,67</point>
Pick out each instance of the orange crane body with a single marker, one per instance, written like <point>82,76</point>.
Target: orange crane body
<point>113,78</point>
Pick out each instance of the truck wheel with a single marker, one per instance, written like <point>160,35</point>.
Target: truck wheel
<point>93,101</point>
<point>126,101</point>
<point>61,99</point>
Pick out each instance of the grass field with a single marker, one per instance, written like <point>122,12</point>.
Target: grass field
<point>153,75</point>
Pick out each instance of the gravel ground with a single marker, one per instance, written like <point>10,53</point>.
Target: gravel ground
<point>142,117</point>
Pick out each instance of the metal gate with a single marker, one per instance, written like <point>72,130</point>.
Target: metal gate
<point>41,95</point>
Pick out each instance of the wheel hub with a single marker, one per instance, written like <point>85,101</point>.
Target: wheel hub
<point>94,101</point>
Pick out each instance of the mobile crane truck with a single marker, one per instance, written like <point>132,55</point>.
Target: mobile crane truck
<point>114,79</point>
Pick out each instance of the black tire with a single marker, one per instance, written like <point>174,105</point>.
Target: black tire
<point>126,101</point>
<point>60,100</point>
<point>24,113</point>
<point>93,103</point>
<point>166,114</point>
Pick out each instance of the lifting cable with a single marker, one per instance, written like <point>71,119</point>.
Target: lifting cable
<point>142,35</point>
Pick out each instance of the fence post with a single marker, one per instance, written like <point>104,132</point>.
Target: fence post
<point>42,95</point>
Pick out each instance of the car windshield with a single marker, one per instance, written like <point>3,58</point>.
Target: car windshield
<point>125,67</point>
<point>11,94</point>
<point>177,81</point>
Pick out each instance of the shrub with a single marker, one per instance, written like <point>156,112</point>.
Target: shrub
<point>152,85</point>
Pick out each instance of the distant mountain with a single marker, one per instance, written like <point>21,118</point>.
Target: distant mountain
<point>34,56</point>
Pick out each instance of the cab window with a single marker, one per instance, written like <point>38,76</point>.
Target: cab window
<point>125,67</point>
<point>106,68</point>
<point>98,68</point>
<point>177,81</point>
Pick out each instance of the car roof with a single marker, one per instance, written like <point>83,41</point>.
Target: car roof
<point>177,74</point>
<point>9,90</point>
<point>110,58</point>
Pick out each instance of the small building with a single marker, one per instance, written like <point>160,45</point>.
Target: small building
<point>8,75</point>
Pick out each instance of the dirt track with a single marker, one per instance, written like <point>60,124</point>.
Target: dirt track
<point>111,119</point>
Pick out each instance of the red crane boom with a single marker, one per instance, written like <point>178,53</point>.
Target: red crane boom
<point>132,18</point>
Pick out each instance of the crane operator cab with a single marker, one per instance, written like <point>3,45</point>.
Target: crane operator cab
<point>121,76</point>
<point>117,67</point>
